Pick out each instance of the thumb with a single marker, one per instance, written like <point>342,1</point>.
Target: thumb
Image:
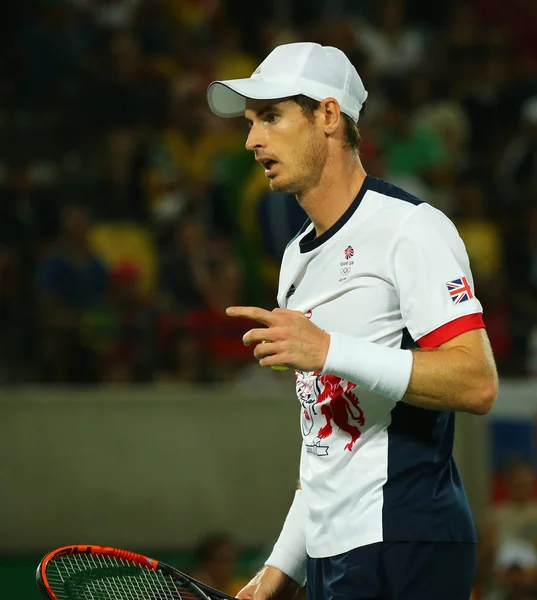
<point>247,592</point>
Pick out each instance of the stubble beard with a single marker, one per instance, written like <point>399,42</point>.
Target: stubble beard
<point>284,188</point>
<point>308,167</point>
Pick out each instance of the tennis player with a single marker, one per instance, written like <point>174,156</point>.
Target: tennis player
<point>379,319</point>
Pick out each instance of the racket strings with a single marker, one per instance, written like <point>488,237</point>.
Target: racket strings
<point>102,577</point>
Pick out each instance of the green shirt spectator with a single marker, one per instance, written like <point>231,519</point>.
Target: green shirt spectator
<point>413,153</point>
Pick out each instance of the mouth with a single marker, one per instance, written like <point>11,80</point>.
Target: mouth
<point>269,166</point>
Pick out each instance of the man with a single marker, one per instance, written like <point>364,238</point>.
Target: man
<point>381,512</point>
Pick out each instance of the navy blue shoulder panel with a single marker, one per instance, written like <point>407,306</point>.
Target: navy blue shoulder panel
<point>388,189</point>
<point>424,498</point>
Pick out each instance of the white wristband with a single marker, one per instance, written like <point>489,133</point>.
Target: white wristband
<point>385,371</point>
<point>289,552</point>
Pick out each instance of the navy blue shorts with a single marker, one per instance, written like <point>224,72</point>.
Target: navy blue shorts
<point>395,571</point>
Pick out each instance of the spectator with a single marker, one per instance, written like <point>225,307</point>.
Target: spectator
<point>516,517</point>
<point>183,285</point>
<point>221,353</point>
<point>411,151</point>
<point>448,121</point>
<point>478,230</point>
<point>126,99</point>
<point>216,564</point>
<point>394,48</point>
<point>183,277</point>
<point>516,571</point>
<point>123,332</point>
<point>188,155</point>
<point>28,215</point>
<point>72,281</point>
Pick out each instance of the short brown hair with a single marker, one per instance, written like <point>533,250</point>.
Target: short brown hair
<point>352,132</point>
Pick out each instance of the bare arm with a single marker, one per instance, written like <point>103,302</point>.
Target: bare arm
<point>458,375</point>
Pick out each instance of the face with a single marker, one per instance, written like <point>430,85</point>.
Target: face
<point>289,146</point>
<point>222,562</point>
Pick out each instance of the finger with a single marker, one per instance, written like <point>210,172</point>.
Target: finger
<point>274,360</point>
<point>266,349</point>
<point>248,591</point>
<point>286,311</point>
<point>252,312</point>
<point>256,336</point>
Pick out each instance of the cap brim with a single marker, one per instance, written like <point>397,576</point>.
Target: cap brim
<point>228,98</point>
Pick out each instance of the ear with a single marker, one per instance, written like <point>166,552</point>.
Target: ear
<point>332,115</point>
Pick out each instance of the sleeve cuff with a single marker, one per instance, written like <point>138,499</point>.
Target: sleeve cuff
<point>448,331</point>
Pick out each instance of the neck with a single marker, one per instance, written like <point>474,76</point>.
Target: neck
<point>335,191</point>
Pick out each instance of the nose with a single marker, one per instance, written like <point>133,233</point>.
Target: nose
<point>254,141</point>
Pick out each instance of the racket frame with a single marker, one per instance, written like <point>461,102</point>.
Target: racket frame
<point>133,557</point>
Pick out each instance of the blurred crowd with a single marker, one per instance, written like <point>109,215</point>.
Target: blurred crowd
<point>217,563</point>
<point>130,216</point>
<point>507,536</point>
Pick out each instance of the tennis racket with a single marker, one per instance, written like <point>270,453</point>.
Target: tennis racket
<point>102,573</point>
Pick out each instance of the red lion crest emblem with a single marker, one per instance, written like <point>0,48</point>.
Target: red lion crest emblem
<point>340,406</point>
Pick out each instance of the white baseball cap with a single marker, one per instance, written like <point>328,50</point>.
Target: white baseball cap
<point>302,68</point>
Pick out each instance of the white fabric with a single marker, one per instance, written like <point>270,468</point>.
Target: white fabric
<point>517,553</point>
<point>306,68</point>
<point>289,552</point>
<point>402,257</point>
<point>426,254</point>
<point>391,56</point>
<point>373,367</point>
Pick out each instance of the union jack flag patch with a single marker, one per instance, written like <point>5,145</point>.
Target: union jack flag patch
<point>459,290</point>
<point>349,252</point>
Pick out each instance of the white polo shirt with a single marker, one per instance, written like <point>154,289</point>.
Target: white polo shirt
<point>393,271</point>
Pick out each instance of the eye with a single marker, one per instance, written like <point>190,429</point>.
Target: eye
<point>271,117</point>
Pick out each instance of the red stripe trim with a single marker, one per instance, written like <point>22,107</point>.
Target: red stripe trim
<point>452,329</point>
